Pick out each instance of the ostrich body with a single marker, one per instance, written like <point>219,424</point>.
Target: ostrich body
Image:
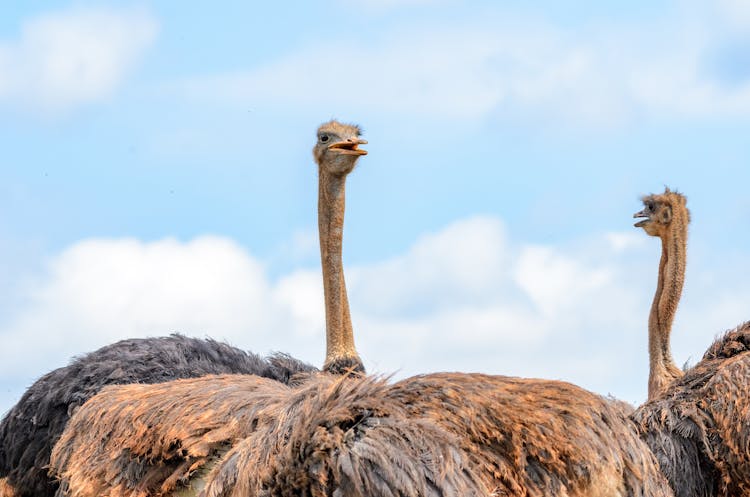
<point>699,428</point>
<point>155,438</point>
<point>32,427</point>
<point>147,439</point>
<point>30,430</point>
<point>518,437</point>
<point>537,437</point>
<point>667,217</point>
<point>350,438</point>
<point>234,436</point>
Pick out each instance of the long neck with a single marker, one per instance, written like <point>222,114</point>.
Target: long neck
<point>663,370</point>
<point>341,354</point>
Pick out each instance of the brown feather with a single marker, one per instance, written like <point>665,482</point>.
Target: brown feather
<point>358,436</point>
<point>146,439</point>
<point>699,429</point>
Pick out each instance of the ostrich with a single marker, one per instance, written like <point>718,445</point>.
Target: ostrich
<point>336,153</point>
<point>519,437</point>
<point>697,423</point>
<point>246,435</point>
<point>32,427</point>
<point>233,436</point>
<point>699,428</point>
<point>667,217</point>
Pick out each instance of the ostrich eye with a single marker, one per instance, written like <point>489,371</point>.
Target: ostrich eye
<point>650,205</point>
<point>324,138</point>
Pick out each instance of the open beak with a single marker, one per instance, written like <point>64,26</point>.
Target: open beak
<point>349,147</point>
<point>643,222</point>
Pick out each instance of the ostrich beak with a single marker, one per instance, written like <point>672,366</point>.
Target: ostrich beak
<point>644,222</point>
<point>349,147</point>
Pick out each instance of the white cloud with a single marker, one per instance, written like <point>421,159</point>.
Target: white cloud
<point>73,57</point>
<point>460,265</point>
<point>402,76</point>
<point>625,241</point>
<point>467,298</point>
<point>513,68</point>
<point>554,282</point>
<point>100,290</point>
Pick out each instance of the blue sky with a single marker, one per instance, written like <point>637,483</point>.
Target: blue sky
<point>156,176</point>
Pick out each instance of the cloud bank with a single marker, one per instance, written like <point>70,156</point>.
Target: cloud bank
<point>510,66</point>
<point>465,298</point>
<point>65,59</point>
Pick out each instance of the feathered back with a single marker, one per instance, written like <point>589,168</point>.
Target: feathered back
<point>535,438</point>
<point>31,428</point>
<point>442,435</point>
<point>345,437</point>
<point>132,440</point>
<point>699,429</point>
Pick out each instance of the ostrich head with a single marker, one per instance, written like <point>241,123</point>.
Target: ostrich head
<point>337,149</point>
<point>659,211</point>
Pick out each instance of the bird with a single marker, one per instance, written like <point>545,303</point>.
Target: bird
<point>696,422</point>
<point>336,152</point>
<point>699,427</point>
<point>516,436</point>
<point>32,427</point>
<point>665,216</point>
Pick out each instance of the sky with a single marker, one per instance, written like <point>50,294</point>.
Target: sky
<point>156,176</point>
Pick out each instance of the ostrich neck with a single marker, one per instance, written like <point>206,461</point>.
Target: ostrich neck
<point>340,350</point>
<point>668,291</point>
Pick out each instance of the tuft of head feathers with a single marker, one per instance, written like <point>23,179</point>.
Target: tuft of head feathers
<point>662,210</point>
<point>339,128</point>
